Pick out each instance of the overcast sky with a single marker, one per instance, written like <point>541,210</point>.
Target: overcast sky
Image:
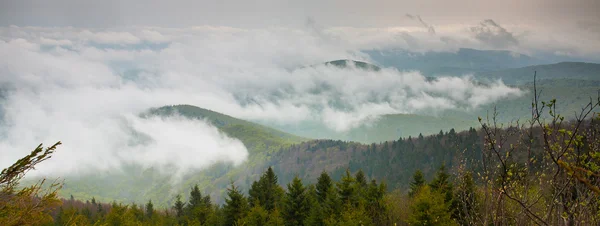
<point>259,13</point>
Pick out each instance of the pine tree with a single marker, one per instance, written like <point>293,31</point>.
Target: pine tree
<point>236,205</point>
<point>195,198</point>
<point>178,206</point>
<point>441,183</point>
<point>266,192</point>
<point>295,205</point>
<point>375,207</point>
<point>333,204</point>
<point>257,216</point>
<point>323,185</point>
<point>417,183</point>
<point>149,209</point>
<point>275,218</point>
<point>429,208</point>
<point>346,189</point>
<point>198,207</point>
<point>361,179</point>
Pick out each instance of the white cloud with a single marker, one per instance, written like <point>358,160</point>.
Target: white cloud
<point>110,37</point>
<point>55,42</point>
<point>89,97</point>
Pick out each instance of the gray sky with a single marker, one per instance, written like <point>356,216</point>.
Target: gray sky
<point>261,13</point>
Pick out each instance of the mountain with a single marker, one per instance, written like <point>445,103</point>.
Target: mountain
<point>563,70</point>
<point>353,63</point>
<point>463,61</point>
<point>382,128</point>
<point>251,134</point>
<point>135,183</point>
<point>305,159</point>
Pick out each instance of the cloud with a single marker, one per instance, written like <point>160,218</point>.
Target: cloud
<point>110,37</point>
<point>89,97</point>
<point>492,34</point>
<point>54,42</point>
<point>430,28</point>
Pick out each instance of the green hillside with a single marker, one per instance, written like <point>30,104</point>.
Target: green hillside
<point>571,95</point>
<point>135,184</point>
<point>564,70</point>
<point>255,137</point>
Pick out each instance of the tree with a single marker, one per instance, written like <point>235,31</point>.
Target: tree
<point>30,205</point>
<point>375,207</point>
<point>429,208</point>
<point>257,216</point>
<point>295,203</point>
<point>533,172</point>
<point>195,197</point>
<point>178,206</point>
<point>467,211</point>
<point>361,179</point>
<point>323,185</point>
<point>346,189</point>
<point>236,205</point>
<point>198,207</point>
<point>266,192</point>
<point>149,209</point>
<point>417,183</point>
<point>441,184</point>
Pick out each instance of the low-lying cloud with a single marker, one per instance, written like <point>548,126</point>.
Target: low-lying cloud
<point>87,88</point>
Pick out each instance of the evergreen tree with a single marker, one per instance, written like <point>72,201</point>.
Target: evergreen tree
<point>417,183</point>
<point>375,207</point>
<point>429,208</point>
<point>275,218</point>
<point>333,204</point>
<point>178,206</point>
<point>266,192</point>
<point>324,183</point>
<point>295,205</point>
<point>346,189</point>
<point>236,205</point>
<point>149,209</point>
<point>257,216</point>
<point>195,198</point>
<point>441,184</point>
<point>361,179</point>
<point>198,207</point>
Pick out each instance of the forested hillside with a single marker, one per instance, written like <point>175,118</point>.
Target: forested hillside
<point>560,71</point>
<point>537,173</point>
<point>137,183</point>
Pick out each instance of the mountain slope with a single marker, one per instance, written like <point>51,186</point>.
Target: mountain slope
<point>383,128</point>
<point>564,70</point>
<point>353,63</point>
<point>253,135</point>
<point>134,183</point>
<point>463,61</point>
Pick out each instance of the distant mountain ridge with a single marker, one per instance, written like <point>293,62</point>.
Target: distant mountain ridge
<point>463,61</point>
<point>562,70</point>
<point>345,63</point>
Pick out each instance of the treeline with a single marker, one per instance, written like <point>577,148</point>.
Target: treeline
<point>352,200</point>
<point>393,161</point>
